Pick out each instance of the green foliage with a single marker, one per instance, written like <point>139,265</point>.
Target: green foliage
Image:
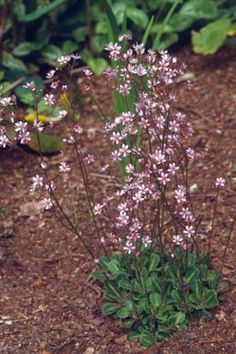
<point>155,294</point>
<point>211,37</point>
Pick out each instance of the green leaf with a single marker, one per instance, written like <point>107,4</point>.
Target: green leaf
<point>119,10</point>
<point>211,37</point>
<point>128,323</point>
<point>51,53</point>
<point>2,73</point>
<point>109,308</point>
<point>102,27</point>
<point>114,266</point>
<point>210,298</point>
<point>147,31</point>
<point>69,47</point>
<point>124,312</point>
<point>154,262</point>
<point>191,273</point>
<point>12,63</point>
<point>180,22</point>
<point>49,144</point>
<point>40,11</point>
<point>125,284</point>
<point>155,300</point>
<point>80,34</point>
<point>146,339</point>
<point>199,9</point>
<point>99,275</point>
<point>166,40</point>
<point>111,293</point>
<point>114,28</point>
<point>137,16</point>
<point>179,318</point>
<point>98,42</point>
<point>97,65</point>
<point>24,49</point>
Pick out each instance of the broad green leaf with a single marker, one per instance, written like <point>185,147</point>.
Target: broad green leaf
<point>211,37</point>
<point>97,65</point>
<point>51,53</point>
<point>80,34</point>
<point>199,9</point>
<point>98,42</point>
<point>40,11</point>
<point>69,47</point>
<point>101,27</point>
<point>46,144</point>
<point>180,22</point>
<point>109,308</point>
<point>119,10</point>
<point>114,266</point>
<point>23,49</point>
<point>137,16</point>
<point>12,63</point>
<point>124,312</point>
<point>166,40</point>
<point>155,300</point>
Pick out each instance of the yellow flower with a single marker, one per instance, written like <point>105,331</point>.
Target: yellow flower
<point>31,117</point>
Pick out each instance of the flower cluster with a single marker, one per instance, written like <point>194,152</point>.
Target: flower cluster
<point>151,206</point>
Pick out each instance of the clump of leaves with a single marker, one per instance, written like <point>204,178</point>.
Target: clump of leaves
<point>157,293</point>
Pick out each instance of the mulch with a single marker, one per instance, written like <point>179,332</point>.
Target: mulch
<point>49,303</point>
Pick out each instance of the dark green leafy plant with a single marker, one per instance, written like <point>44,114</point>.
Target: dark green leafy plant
<point>157,293</point>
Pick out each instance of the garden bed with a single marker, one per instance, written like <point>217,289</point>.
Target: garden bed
<point>49,302</point>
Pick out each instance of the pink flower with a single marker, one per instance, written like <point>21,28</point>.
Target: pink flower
<point>46,203</point>
<point>180,194</point>
<point>37,182</point>
<point>6,101</point>
<point>98,209</point>
<point>164,178</point>
<point>38,126</point>
<point>129,247</point>
<point>178,240</point>
<point>50,74</point>
<point>189,231</point>
<point>64,59</point>
<point>125,89</point>
<point>62,113</point>
<point>64,168</point>
<point>30,85</point>
<point>146,241</point>
<point>49,99</point>
<point>220,182</point>
<point>3,140</point>
<point>173,168</point>
<point>114,50</point>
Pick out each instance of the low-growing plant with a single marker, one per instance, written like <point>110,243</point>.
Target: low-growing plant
<point>156,272</point>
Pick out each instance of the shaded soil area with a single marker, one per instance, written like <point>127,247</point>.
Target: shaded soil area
<point>49,304</point>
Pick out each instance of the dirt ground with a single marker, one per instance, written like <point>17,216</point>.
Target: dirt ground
<point>48,302</point>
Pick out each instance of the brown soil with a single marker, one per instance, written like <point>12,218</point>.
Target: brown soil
<point>49,304</point>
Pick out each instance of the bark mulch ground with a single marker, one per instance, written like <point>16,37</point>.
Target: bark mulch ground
<point>48,302</point>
